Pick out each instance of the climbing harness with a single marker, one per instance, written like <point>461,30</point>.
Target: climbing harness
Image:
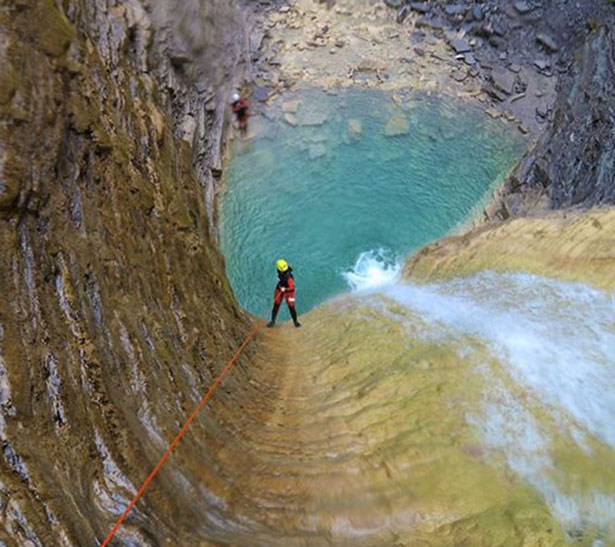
<point>182,431</point>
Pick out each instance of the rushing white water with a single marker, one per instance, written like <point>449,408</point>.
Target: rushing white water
<point>373,269</point>
<point>556,341</point>
<point>558,338</point>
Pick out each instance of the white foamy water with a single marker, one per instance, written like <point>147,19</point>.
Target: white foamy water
<point>373,269</point>
<point>558,339</point>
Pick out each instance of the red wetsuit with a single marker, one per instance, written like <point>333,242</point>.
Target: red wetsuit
<point>285,289</point>
<point>240,109</point>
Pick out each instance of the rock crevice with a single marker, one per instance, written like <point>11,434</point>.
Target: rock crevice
<point>573,164</point>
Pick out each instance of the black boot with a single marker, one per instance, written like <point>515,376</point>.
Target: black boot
<point>274,313</point>
<point>293,314</point>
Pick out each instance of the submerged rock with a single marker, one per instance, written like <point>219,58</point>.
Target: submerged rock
<point>291,107</point>
<point>355,126</point>
<point>317,150</point>
<point>397,125</point>
<point>291,119</point>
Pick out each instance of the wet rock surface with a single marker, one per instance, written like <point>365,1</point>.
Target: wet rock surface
<point>570,245</point>
<point>117,313</point>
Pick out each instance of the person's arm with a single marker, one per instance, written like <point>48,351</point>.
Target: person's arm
<point>289,286</point>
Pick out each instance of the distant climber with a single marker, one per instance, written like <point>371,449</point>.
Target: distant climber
<point>240,109</point>
<point>284,289</point>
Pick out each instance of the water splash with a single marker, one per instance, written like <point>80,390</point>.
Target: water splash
<point>376,268</point>
<point>555,342</point>
<point>557,338</point>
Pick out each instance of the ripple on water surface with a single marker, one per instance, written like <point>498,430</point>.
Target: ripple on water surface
<point>337,176</point>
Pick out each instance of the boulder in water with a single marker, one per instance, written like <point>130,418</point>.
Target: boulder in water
<point>291,107</point>
<point>313,118</point>
<point>355,126</point>
<point>397,125</point>
<point>317,151</point>
<point>291,119</point>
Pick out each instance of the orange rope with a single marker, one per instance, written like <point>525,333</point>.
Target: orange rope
<point>182,432</point>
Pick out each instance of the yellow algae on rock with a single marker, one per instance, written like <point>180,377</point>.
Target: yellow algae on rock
<point>55,32</point>
<point>572,246</point>
<point>373,444</point>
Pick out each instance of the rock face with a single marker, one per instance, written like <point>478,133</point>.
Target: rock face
<point>115,311</point>
<point>574,162</point>
<point>577,246</point>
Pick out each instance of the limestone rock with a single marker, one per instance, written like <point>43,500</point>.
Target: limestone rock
<point>460,45</point>
<point>460,74</point>
<point>456,9</point>
<point>402,14</point>
<point>581,170</point>
<point>504,80</point>
<point>420,7</point>
<point>187,128</point>
<point>523,7</point>
<point>397,125</point>
<point>317,150</point>
<point>291,119</point>
<point>354,126</point>
<point>547,41</point>
<point>291,107</point>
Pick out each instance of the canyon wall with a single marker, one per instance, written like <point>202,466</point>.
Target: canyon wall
<point>116,312</point>
<point>573,163</point>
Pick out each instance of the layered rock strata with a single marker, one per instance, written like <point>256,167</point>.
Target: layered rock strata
<point>116,312</point>
<point>573,164</point>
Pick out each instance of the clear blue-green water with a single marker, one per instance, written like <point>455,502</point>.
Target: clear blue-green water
<point>344,208</point>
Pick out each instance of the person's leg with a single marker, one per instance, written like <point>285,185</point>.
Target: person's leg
<point>243,125</point>
<point>290,302</point>
<point>277,300</point>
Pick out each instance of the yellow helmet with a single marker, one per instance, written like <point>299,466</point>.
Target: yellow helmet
<point>281,265</point>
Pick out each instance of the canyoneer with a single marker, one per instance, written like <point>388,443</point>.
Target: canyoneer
<point>240,109</point>
<point>284,289</point>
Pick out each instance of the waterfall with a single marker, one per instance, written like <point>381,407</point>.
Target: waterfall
<point>554,343</point>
